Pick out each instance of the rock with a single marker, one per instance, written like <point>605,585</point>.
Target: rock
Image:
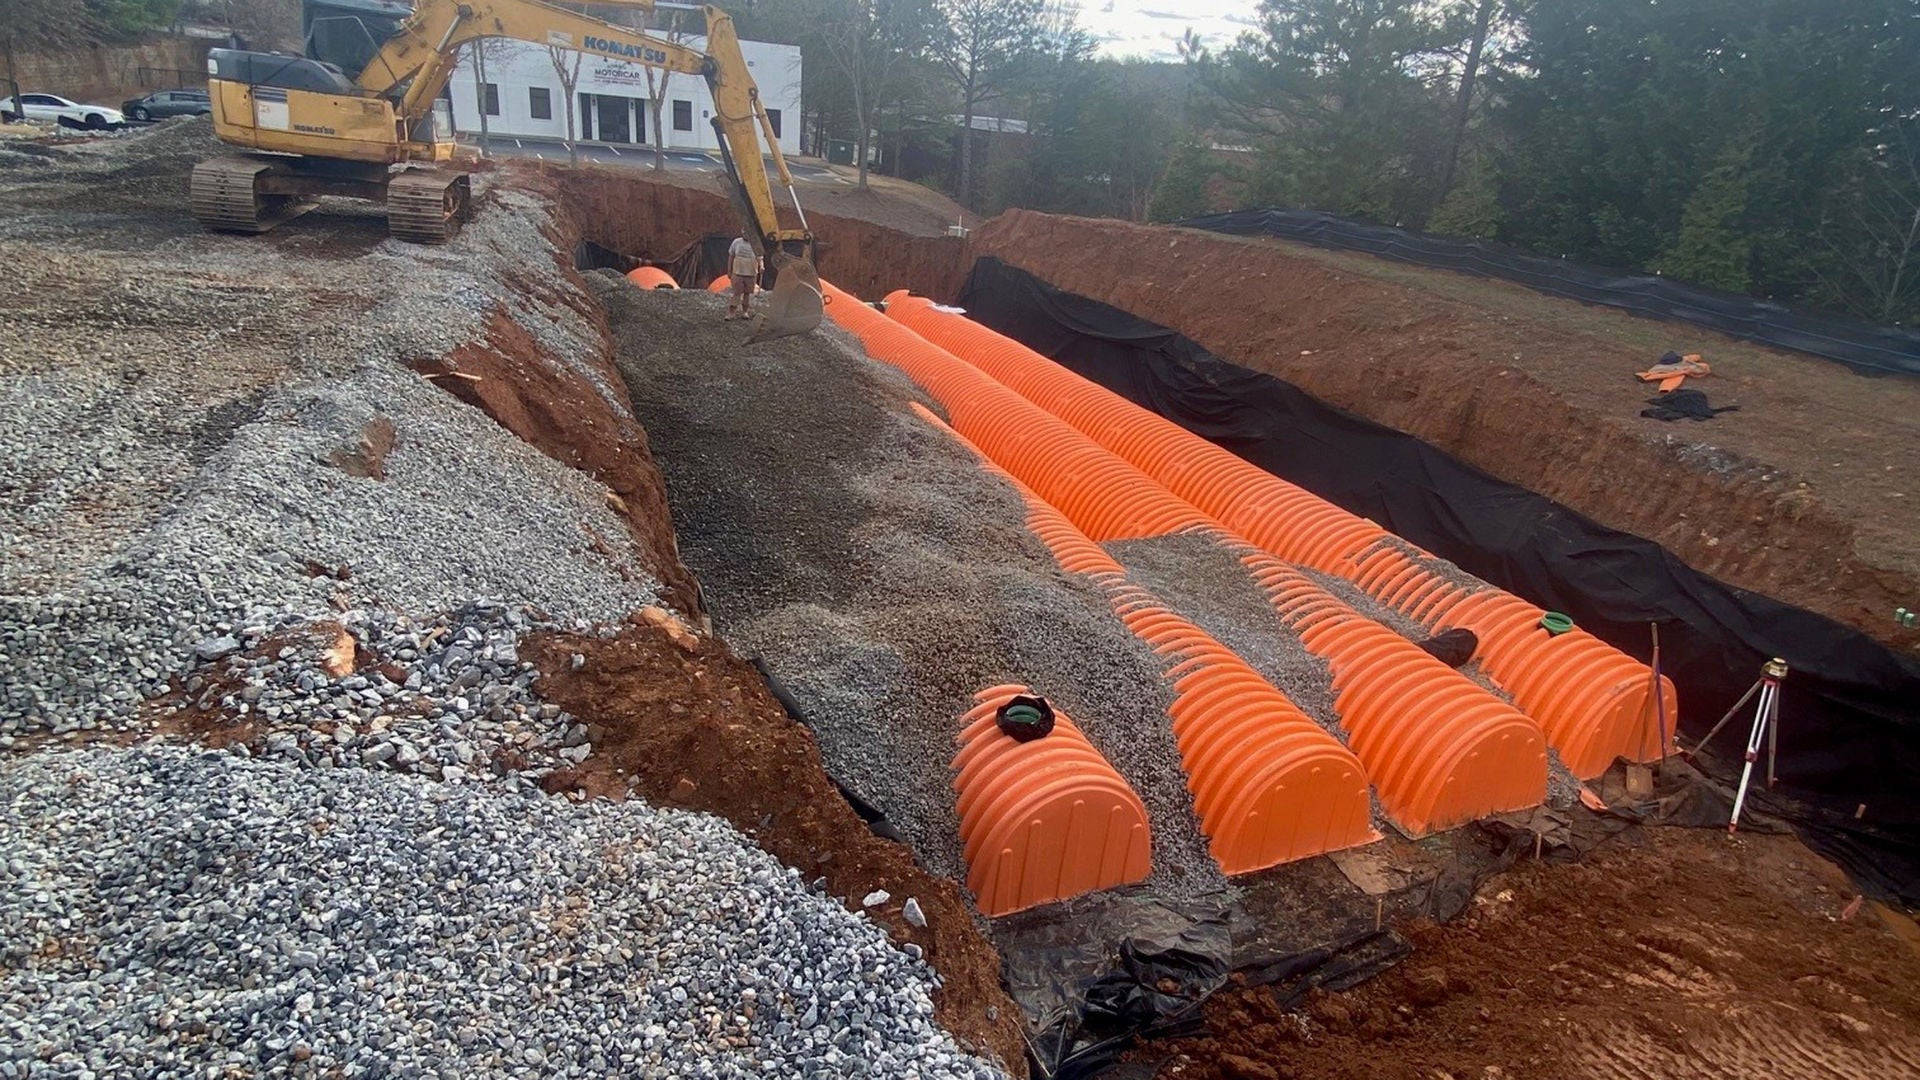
<point>912,913</point>
<point>214,648</point>
<point>683,789</point>
<point>876,898</point>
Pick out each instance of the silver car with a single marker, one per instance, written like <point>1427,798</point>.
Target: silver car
<point>164,103</point>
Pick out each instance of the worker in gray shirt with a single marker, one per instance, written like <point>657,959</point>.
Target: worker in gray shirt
<point>743,268</point>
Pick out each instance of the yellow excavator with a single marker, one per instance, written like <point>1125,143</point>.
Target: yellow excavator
<point>385,132</point>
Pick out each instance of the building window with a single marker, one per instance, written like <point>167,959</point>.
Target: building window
<point>491,91</point>
<point>773,120</point>
<point>540,102</point>
<point>683,116</point>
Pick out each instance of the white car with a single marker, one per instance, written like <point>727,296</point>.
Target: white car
<point>53,108</point>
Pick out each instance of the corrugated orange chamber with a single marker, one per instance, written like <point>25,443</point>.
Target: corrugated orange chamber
<point>1269,785</point>
<point>1440,749</point>
<point>1106,497</point>
<point>1593,701</point>
<point>651,277</point>
<point>1042,820</point>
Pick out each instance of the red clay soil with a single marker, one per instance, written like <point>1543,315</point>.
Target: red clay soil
<point>559,412</point>
<point>1807,494</point>
<point>879,245</point>
<point>1666,953</point>
<point>692,725</point>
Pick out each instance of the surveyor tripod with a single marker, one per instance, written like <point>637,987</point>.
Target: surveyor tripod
<point>1766,725</point>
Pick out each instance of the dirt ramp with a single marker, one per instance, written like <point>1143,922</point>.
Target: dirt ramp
<point>1800,495</point>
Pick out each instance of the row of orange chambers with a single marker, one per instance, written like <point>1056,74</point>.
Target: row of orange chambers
<point>1269,785</point>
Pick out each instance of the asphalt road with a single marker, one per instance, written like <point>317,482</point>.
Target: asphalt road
<point>638,157</point>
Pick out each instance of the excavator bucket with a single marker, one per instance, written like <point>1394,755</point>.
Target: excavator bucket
<point>794,306</point>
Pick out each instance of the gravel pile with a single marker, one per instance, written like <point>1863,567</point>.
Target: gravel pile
<point>176,913</point>
<point>882,576</point>
<point>190,428</point>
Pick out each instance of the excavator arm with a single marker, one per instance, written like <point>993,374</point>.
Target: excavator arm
<point>315,130</point>
<point>414,65</point>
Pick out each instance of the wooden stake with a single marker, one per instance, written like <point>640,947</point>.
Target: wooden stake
<point>1379,912</point>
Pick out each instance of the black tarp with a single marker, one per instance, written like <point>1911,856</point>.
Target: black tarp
<point>1866,347</point>
<point>1850,711</point>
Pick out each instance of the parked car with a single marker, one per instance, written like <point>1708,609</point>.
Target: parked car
<point>164,103</point>
<point>53,108</point>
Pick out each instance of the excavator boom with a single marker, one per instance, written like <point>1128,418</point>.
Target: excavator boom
<point>385,133</point>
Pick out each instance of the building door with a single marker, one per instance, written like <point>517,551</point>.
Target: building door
<point>610,118</point>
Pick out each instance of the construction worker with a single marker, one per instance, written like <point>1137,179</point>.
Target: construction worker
<point>743,267</point>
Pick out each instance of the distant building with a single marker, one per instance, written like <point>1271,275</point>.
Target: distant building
<point>523,96</point>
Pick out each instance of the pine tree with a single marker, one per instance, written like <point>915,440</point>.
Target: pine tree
<point>1715,247</point>
<point>1182,190</point>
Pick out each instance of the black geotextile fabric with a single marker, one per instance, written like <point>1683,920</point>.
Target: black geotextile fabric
<point>696,265</point>
<point>1866,347</point>
<point>1849,731</point>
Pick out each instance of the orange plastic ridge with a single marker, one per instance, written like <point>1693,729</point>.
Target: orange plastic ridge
<point>1044,820</point>
<point>1592,700</point>
<point>1070,547</point>
<point>1104,496</point>
<point>651,277</point>
<point>1441,751</point>
<point>720,284</point>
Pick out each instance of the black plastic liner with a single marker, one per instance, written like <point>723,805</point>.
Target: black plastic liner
<point>696,265</point>
<point>1850,711</point>
<point>1866,347</point>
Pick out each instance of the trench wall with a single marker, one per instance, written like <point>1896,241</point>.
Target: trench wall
<point>655,219</point>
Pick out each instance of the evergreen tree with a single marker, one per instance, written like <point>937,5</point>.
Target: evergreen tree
<point>1182,190</point>
<point>1714,246</point>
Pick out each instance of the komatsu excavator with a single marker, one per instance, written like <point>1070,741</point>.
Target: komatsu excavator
<point>385,133</point>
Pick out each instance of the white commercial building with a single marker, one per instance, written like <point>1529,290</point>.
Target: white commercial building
<point>612,102</point>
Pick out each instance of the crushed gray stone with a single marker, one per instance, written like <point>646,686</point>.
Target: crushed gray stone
<point>177,913</point>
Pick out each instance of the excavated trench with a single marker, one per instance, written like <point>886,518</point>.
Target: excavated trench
<point>769,775</point>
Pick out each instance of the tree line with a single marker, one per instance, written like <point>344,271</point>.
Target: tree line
<point>1764,146</point>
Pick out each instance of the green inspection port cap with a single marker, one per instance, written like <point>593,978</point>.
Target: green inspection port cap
<point>1555,623</point>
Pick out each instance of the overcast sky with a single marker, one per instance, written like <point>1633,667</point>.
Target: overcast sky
<point>1152,28</point>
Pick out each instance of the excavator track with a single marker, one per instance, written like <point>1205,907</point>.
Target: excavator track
<point>228,194</point>
<point>427,206</point>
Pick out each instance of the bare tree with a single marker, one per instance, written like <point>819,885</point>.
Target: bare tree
<point>981,43</point>
<point>1871,237</point>
<point>657,80</point>
<point>566,65</point>
<point>868,40</point>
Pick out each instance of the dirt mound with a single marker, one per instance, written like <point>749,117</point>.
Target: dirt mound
<point>1666,953</point>
<point>1806,494</point>
<point>690,724</point>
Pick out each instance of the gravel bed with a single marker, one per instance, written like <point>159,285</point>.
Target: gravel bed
<point>882,576</point>
<point>174,913</point>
